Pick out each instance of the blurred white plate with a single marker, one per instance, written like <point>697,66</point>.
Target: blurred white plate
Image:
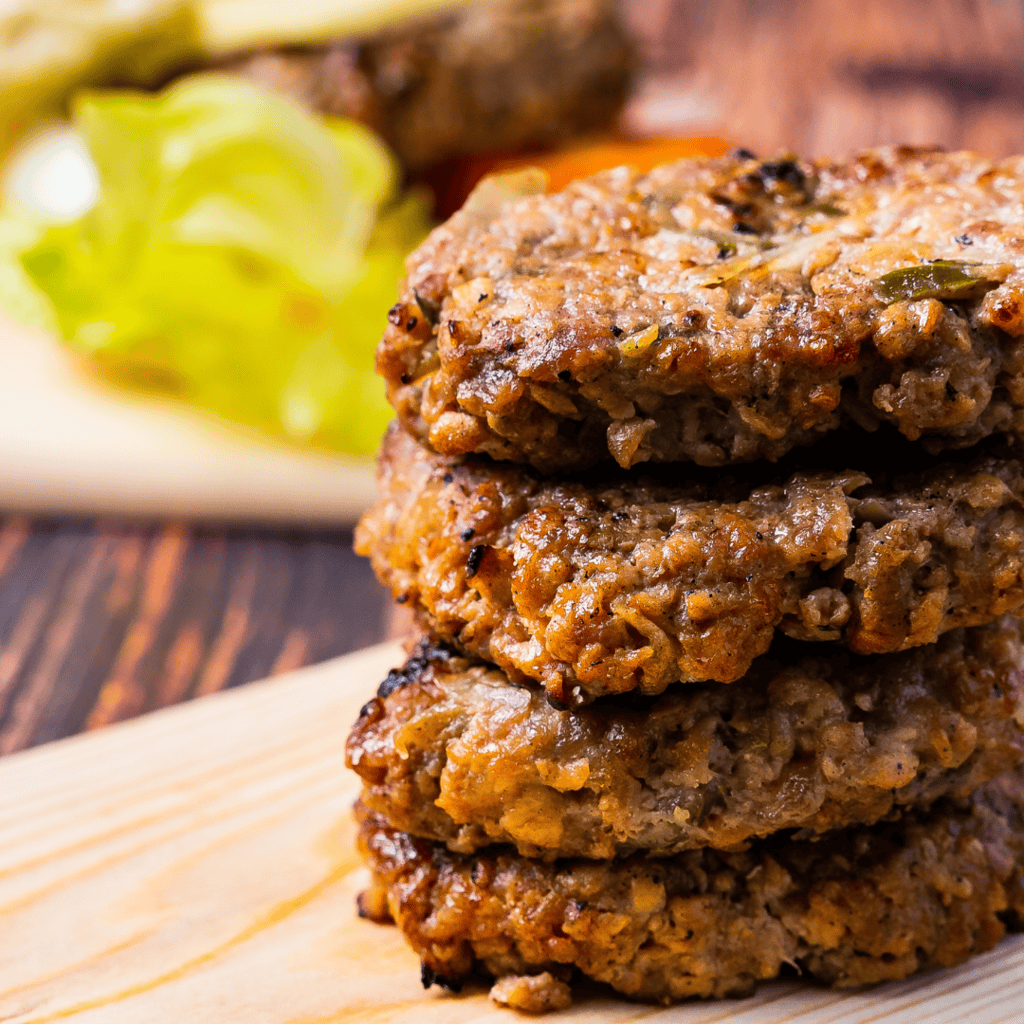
<point>69,445</point>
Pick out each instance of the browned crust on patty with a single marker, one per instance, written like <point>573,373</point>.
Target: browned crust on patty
<point>617,583</point>
<point>719,311</point>
<point>449,751</point>
<point>856,908</point>
<point>494,77</point>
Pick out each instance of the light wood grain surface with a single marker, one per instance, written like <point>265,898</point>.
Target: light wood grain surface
<point>819,76</point>
<point>198,867</point>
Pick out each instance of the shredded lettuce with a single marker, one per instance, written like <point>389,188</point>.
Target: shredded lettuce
<point>242,256</point>
<point>20,298</point>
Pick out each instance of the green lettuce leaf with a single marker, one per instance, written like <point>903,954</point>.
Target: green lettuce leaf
<point>20,297</point>
<point>242,256</point>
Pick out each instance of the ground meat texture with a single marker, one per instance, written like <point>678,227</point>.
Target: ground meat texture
<point>452,752</point>
<point>532,993</point>
<point>719,311</point>
<point>605,585</point>
<point>503,76</point>
<point>858,907</point>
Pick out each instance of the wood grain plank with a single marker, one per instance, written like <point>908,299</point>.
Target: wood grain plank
<point>39,687</point>
<point>826,76</point>
<point>198,865</point>
<point>100,622</point>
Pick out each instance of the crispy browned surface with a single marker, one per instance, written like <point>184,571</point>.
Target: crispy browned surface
<point>610,584</point>
<point>487,77</point>
<point>532,993</point>
<point>717,311</point>
<point>856,908</point>
<point>450,751</point>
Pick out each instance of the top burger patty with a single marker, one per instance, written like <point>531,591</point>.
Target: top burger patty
<point>490,77</point>
<point>719,311</point>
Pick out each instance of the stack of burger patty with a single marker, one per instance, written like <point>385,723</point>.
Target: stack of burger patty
<point>704,493</point>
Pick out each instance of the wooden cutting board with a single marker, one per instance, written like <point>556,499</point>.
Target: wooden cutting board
<point>197,867</point>
<point>68,445</point>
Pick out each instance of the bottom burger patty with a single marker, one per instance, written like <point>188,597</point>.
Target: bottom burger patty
<point>857,907</point>
<point>451,752</point>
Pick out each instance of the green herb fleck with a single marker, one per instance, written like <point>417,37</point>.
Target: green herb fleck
<point>940,279</point>
<point>829,209</point>
<point>725,242</point>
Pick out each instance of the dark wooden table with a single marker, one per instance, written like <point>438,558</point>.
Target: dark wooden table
<point>102,621</point>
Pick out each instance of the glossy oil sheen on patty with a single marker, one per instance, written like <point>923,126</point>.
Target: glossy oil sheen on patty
<point>450,751</point>
<point>604,585</point>
<point>719,311</point>
<point>854,908</point>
